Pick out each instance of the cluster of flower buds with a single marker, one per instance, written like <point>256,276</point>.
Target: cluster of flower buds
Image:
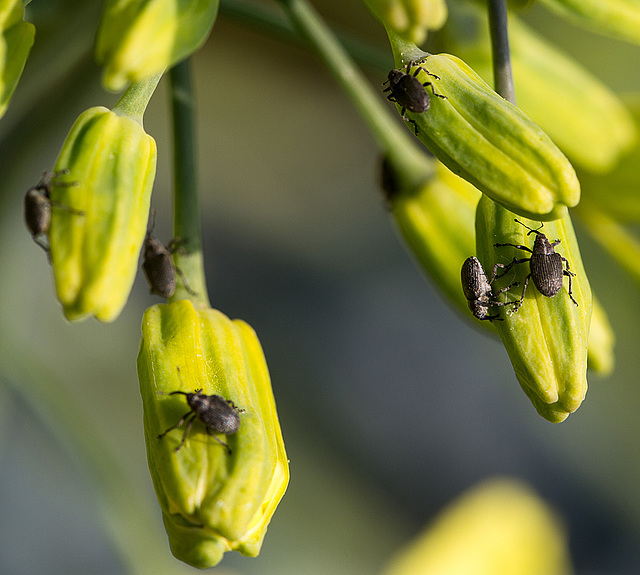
<point>214,498</point>
<point>548,329</point>
<point>220,477</point>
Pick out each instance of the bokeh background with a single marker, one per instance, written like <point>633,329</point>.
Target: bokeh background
<point>391,403</point>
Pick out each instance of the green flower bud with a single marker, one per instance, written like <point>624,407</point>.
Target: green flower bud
<point>583,116</point>
<point>500,527</point>
<point>437,221</point>
<point>617,18</point>
<point>137,39</point>
<point>546,338</point>
<point>411,19</point>
<point>109,163</point>
<point>491,143</point>
<point>16,40</point>
<point>212,501</point>
<point>601,341</point>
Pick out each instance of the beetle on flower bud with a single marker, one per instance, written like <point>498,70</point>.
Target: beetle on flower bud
<point>216,413</point>
<point>489,142</point>
<point>37,207</point>
<point>547,340</point>
<point>95,258</point>
<point>212,500</point>
<point>409,93</point>
<point>478,291</point>
<point>545,264</point>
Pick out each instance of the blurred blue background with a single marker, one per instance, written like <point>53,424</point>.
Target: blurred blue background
<point>391,404</point>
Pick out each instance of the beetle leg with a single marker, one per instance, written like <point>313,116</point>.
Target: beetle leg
<point>186,432</point>
<point>569,275</point>
<point>504,289</point>
<point>524,291</point>
<point>232,404</point>
<point>226,446</point>
<point>184,281</point>
<point>182,420</point>
<point>506,267</point>
<point>67,208</point>
<point>40,241</point>
<point>433,91</point>
<point>514,246</point>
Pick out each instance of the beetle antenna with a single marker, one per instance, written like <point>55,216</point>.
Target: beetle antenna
<point>531,230</point>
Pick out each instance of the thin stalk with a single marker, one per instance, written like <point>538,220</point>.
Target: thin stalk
<point>502,74</point>
<point>186,205</point>
<point>136,97</point>
<point>395,140</point>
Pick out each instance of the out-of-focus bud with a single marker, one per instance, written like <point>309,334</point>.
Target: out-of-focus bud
<point>616,192</point>
<point>212,500</point>
<point>411,19</point>
<point>108,164</point>
<point>490,142</point>
<point>617,18</point>
<point>437,221</point>
<point>16,39</point>
<point>546,338</point>
<point>500,526</point>
<point>137,39</point>
<point>601,341</point>
<point>580,113</point>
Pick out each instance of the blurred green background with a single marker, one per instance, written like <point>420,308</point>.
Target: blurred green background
<point>390,404</point>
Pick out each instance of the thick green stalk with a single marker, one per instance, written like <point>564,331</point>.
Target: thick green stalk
<point>186,206</point>
<point>136,97</point>
<point>503,77</point>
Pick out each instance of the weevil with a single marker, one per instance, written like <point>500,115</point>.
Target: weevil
<point>158,265</point>
<point>409,93</point>
<point>38,204</point>
<point>478,291</point>
<point>219,415</point>
<point>546,267</point>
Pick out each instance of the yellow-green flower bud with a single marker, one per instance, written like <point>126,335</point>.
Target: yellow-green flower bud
<point>546,338</point>
<point>109,164</point>
<point>16,39</point>
<point>437,222</point>
<point>137,39</point>
<point>411,19</point>
<point>212,500</point>
<point>617,18</point>
<point>601,341</point>
<point>490,142</point>
<point>582,115</point>
<point>499,527</point>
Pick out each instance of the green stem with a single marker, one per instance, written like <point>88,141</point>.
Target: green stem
<point>503,77</point>
<point>136,97</point>
<point>186,206</point>
<point>407,158</point>
<point>268,19</point>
